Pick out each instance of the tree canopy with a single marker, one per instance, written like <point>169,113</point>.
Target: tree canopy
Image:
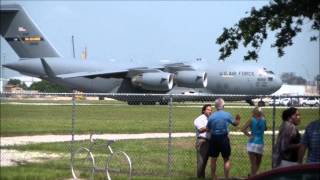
<point>18,83</point>
<point>284,16</point>
<point>45,86</point>
<point>292,78</point>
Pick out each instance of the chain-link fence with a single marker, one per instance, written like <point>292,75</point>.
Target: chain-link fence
<point>155,130</point>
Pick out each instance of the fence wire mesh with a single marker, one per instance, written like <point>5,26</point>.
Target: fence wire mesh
<point>156,131</point>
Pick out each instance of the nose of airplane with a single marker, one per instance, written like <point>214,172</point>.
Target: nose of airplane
<point>277,83</point>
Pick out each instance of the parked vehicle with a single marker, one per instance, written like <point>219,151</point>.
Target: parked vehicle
<point>309,101</point>
<point>284,102</point>
<point>276,102</point>
<point>298,172</point>
<point>289,102</point>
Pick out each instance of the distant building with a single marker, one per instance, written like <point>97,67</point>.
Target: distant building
<point>13,89</point>
<point>20,93</point>
<point>24,79</point>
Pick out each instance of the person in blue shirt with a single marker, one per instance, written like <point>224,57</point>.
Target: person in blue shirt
<point>311,141</point>
<point>257,125</point>
<point>218,126</point>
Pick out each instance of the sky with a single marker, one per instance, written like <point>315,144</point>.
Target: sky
<point>154,31</point>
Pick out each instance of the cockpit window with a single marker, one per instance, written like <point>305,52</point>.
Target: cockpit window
<point>269,72</point>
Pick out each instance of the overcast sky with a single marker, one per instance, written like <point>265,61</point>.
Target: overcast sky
<point>149,32</point>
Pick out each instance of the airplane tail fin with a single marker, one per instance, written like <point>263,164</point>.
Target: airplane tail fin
<point>23,35</point>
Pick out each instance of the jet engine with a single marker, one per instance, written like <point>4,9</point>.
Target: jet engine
<point>191,79</point>
<point>154,81</point>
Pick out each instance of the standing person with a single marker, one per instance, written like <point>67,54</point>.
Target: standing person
<point>257,125</point>
<point>288,141</point>
<point>202,142</point>
<point>311,141</point>
<point>218,125</point>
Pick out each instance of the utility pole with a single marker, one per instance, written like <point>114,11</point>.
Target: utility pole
<point>73,51</point>
<point>1,76</point>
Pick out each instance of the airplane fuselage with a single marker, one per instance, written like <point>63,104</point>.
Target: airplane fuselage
<point>222,78</point>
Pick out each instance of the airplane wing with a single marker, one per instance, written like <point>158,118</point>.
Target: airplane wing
<point>92,75</point>
<point>128,73</point>
<point>174,67</point>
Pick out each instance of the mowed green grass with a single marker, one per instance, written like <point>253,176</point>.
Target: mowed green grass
<point>121,118</point>
<point>149,159</point>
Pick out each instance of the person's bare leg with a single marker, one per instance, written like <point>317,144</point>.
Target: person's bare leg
<point>253,161</point>
<point>213,168</point>
<point>258,161</point>
<point>227,166</point>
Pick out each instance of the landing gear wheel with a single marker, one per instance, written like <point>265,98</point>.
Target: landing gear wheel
<point>163,102</point>
<point>133,102</point>
<point>261,103</point>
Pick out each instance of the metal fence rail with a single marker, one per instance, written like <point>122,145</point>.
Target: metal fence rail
<point>155,130</point>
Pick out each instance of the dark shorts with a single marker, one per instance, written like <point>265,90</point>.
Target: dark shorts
<point>219,143</point>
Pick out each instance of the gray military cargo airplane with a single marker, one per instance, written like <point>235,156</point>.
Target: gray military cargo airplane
<point>38,58</point>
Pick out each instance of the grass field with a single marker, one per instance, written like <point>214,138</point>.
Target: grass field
<point>56,119</point>
<point>149,156</point>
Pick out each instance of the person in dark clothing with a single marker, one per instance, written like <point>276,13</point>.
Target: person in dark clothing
<point>286,151</point>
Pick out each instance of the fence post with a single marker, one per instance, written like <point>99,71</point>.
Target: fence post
<point>73,117</point>
<point>170,138</point>
<point>273,128</point>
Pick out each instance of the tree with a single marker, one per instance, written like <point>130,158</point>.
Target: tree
<point>17,82</point>
<point>45,86</point>
<point>291,78</point>
<point>287,16</point>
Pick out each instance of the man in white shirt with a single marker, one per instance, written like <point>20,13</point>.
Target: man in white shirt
<point>202,142</point>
